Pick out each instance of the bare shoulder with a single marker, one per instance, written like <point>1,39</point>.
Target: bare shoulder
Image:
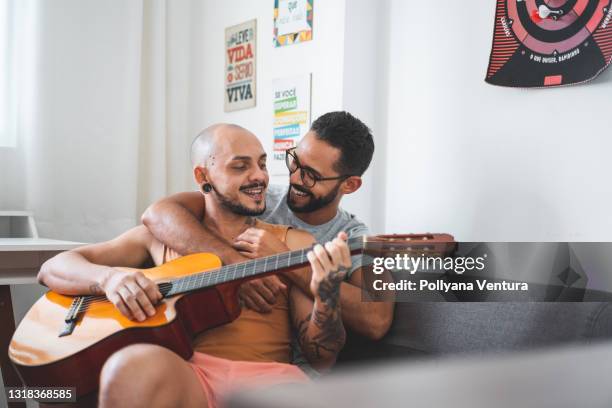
<point>139,234</point>
<point>192,200</point>
<point>298,239</point>
<point>132,248</point>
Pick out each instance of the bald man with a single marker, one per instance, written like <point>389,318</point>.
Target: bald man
<point>229,165</point>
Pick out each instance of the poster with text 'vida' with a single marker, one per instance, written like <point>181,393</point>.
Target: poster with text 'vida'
<point>291,116</point>
<point>240,64</point>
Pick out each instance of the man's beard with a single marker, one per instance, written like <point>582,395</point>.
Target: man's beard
<point>315,203</point>
<point>235,206</point>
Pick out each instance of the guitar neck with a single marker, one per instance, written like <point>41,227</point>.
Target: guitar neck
<point>250,269</point>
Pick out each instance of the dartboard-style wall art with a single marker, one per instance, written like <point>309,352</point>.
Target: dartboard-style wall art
<point>545,43</point>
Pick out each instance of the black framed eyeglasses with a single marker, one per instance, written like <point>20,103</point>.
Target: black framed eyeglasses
<point>309,177</point>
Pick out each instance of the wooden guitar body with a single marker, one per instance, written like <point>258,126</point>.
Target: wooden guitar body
<point>44,359</point>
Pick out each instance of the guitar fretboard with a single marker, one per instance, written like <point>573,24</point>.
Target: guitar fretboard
<point>228,273</point>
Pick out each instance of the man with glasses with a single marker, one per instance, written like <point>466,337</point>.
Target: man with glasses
<point>325,165</point>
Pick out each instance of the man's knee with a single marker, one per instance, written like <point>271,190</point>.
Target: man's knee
<point>133,370</point>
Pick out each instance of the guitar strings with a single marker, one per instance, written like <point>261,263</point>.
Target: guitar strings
<point>98,299</point>
<point>217,275</point>
<point>221,274</point>
<point>212,277</point>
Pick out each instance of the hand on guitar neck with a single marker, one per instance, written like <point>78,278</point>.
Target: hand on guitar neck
<point>330,264</point>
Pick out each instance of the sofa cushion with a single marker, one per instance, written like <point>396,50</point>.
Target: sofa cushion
<point>421,329</point>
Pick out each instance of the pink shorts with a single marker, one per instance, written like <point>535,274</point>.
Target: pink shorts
<point>219,376</point>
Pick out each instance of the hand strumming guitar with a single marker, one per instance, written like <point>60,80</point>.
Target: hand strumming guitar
<point>131,292</point>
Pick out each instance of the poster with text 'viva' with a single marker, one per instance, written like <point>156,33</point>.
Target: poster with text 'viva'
<point>240,64</point>
<point>291,98</point>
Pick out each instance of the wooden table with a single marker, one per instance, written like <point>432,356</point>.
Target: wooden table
<point>20,260</point>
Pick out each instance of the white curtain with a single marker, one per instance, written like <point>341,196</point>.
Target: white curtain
<point>103,121</point>
<point>6,92</point>
<point>11,194</point>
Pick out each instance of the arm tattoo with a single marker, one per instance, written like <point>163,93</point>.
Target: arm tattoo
<point>329,336</point>
<point>329,288</point>
<point>329,340</point>
<point>321,334</point>
<point>332,335</point>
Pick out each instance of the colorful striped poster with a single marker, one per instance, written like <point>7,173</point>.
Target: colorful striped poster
<point>291,113</point>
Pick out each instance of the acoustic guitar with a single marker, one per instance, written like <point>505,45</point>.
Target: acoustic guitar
<point>63,341</point>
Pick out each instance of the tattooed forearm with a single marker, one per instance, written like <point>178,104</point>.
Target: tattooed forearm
<point>331,335</point>
<point>329,288</point>
<point>321,334</point>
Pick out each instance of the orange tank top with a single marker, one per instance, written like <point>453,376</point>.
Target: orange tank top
<point>252,336</point>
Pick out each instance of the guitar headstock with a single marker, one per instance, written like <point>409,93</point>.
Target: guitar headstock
<point>415,244</point>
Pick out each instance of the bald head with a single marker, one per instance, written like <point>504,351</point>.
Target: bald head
<point>207,143</point>
<point>229,164</point>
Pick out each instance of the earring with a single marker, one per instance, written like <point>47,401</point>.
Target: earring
<point>206,187</point>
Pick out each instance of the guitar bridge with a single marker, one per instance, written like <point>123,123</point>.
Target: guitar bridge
<point>68,328</point>
<point>72,316</point>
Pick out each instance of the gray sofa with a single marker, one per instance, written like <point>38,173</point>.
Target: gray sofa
<point>432,329</point>
<point>467,355</point>
<point>558,377</point>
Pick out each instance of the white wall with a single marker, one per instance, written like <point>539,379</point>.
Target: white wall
<point>323,57</point>
<point>366,56</point>
<point>482,162</point>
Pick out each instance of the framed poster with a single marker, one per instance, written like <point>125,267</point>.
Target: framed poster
<point>291,116</point>
<point>292,21</point>
<point>240,66</point>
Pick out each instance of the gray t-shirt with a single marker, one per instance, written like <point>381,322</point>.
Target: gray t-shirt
<point>278,212</point>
